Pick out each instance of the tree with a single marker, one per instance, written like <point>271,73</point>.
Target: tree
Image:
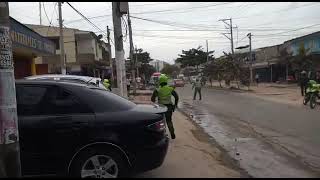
<point>194,57</point>
<point>228,67</point>
<point>143,59</point>
<point>170,70</point>
<point>147,70</point>
<point>302,61</point>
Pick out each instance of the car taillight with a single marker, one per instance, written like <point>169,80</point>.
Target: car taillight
<point>157,126</point>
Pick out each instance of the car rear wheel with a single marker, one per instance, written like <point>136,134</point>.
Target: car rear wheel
<point>99,163</point>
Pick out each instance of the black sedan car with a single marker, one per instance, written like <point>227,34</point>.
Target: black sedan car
<point>78,130</point>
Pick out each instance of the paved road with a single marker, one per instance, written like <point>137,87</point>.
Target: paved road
<point>191,155</point>
<point>268,139</point>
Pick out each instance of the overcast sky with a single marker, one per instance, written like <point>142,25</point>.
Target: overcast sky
<point>180,26</point>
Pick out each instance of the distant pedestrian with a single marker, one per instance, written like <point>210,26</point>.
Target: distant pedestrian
<point>128,85</point>
<point>257,78</point>
<point>197,89</point>
<point>303,81</point>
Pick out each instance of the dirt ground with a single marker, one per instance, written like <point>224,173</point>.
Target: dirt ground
<point>281,93</point>
<point>192,155</point>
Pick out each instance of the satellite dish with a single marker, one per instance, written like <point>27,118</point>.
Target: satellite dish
<point>100,36</point>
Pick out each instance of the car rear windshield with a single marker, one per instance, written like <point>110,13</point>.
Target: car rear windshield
<point>117,102</point>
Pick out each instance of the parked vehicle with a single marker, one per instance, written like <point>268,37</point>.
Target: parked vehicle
<point>171,83</point>
<point>154,79</point>
<point>178,83</point>
<point>80,130</point>
<point>75,78</point>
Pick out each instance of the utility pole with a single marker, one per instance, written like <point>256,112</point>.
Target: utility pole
<point>110,57</point>
<point>231,32</point>
<point>137,61</point>
<point>133,62</point>
<point>9,135</point>
<point>62,57</point>
<point>250,58</point>
<point>207,51</point>
<point>119,52</point>
<point>40,13</point>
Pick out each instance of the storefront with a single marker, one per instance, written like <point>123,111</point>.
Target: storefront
<point>26,46</point>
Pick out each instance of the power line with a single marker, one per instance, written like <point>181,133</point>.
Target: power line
<point>152,4</point>
<point>148,12</point>
<point>292,30</point>
<point>279,11</point>
<point>86,18</point>
<point>183,9</point>
<point>45,12</point>
<point>93,17</point>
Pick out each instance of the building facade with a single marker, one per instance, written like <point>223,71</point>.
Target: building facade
<point>157,64</point>
<point>85,52</point>
<point>267,60</point>
<point>27,45</point>
<point>311,44</point>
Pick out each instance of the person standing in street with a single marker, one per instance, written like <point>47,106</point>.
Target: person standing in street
<point>303,82</point>
<point>257,78</point>
<point>197,89</point>
<point>164,93</point>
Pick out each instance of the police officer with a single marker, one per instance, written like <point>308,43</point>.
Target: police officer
<point>164,93</point>
<point>303,82</point>
<point>197,89</point>
<point>107,84</point>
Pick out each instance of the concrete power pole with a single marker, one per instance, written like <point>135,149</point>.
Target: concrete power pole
<point>207,51</point>
<point>133,62</point>
<point>110,57</point>
<point>62,57</point>
<point>40,13</point>
<point>9,136</point>
<point>250,58</point>
<point>231,32</point>
<point>137,61</point>
<point>119,52</point>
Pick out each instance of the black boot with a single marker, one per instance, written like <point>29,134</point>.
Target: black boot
<point>173,136</point>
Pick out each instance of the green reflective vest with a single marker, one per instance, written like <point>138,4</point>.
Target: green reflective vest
<point>106,84</point>
<point>164,94</point>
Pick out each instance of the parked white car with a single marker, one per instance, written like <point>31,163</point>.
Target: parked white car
<point>75,78</point>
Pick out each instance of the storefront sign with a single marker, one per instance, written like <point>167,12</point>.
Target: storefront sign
<point>25,37</point>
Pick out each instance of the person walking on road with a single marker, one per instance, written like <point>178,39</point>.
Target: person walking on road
<point>197,89</point>
<point>257,78</point>
<point>164,93</point>
<point>303,82</point>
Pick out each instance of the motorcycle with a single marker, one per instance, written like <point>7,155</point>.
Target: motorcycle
<point>313,94</point>
<point>307,96</point>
